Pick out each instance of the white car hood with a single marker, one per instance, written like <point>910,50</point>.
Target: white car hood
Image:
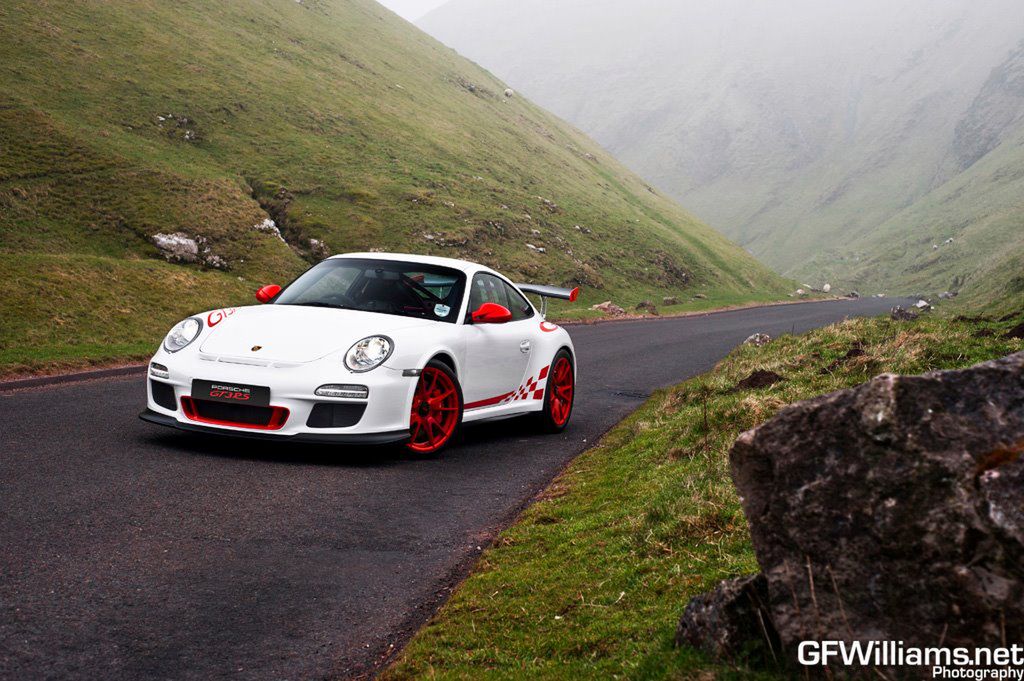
<point>293,333</point>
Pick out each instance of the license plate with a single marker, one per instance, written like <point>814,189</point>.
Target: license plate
<point>236,393</point>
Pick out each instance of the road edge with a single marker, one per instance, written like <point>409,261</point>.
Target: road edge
<point>49,380</point>
<point>630,317</point>
<point>27,381</point>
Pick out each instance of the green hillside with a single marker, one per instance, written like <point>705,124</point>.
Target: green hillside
<point>837,142</point>
<point>335,119</point>
<point>967,234</point>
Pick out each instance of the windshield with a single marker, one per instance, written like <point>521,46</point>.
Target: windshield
<point>407,289</point>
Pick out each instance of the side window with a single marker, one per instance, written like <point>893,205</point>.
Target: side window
<point>519,306</point>
<point>487,289</point>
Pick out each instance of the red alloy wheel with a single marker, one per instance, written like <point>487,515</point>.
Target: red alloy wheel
<point>560,402</point>
<point>435,411</point>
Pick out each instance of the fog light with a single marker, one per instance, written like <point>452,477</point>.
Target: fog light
<point>158,371</point>
<point>354,392</point>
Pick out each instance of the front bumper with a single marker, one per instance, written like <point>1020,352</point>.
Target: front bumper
<point>395,437</point>
<point>383,417</point>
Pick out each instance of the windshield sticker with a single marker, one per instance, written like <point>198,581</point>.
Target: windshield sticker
<point>441,310</point>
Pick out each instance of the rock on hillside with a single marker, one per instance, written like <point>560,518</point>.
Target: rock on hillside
<point>891,511</point>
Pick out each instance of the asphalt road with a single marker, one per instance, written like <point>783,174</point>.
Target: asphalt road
<point>130,551</point>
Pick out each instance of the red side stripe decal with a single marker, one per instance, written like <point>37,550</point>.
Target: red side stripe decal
<point>530,390</point>
<point>488,402</point>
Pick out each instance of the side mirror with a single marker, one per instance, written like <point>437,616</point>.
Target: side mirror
<point>491,313</point>
<point>267,293</point>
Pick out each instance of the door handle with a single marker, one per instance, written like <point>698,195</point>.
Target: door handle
<point>524,347</point>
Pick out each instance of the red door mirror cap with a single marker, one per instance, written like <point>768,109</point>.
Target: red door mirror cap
<point>574,294</point>
<point>266,293</point>
<point>491,313</point>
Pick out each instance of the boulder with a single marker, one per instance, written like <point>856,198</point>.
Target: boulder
<point>923,305</point>
<point>948,295</point>
<point>890,511</point>
<point>827,288</point>
<point>647,307</point>
<point>215,261</point>
<point>177,247</point>
<point>729,622</point>
<point>853,294</point>
<point>608,307</point>
<point>669,300</point>
<point>699,296</point>
<point>758,339</point>
<point>268,226</point>
<point>901,315</point>
<point>509,92</point>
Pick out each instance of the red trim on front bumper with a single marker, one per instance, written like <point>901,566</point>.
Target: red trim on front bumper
<point>277,420</point>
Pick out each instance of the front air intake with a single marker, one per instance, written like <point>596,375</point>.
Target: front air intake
<point>163,394</point>
<point>236,415</point>
<point>328,415</point>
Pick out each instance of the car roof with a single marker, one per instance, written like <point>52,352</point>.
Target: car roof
<point>453,263</point>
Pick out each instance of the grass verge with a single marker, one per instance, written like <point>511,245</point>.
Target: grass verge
<point>591,580</point>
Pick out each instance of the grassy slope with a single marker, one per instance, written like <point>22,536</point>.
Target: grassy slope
<point>807,140</point>
<point>982,210</point>
<point>337,118</point>
<point>591,580</point>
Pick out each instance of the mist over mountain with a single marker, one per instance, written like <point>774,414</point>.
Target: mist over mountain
<point>800,128</point>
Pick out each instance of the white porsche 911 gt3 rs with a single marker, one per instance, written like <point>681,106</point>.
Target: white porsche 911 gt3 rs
<point>369,348</point>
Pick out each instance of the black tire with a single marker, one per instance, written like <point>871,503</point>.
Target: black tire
<point>548,420</point>
<point>418,448</point>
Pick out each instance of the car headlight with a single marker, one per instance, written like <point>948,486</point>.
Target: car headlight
<point>182,335</point>
<point>369,353</point>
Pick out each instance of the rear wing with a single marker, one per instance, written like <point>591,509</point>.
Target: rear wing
<point>546,292</point>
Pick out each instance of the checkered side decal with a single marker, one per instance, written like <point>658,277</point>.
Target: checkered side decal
<point>533,389</point>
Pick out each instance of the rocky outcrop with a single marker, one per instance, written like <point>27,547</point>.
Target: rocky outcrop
<point>268,226</point>
<point>900,314</point>
<point>729,621</point>
<point>993,115</point>
<point>177,247</point>
<point>608,307</point>
<point>647,307</point>
<point>890,511</point>
<point>758,339</point>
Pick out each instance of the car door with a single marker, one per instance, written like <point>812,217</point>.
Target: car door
<point>497,355</point>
